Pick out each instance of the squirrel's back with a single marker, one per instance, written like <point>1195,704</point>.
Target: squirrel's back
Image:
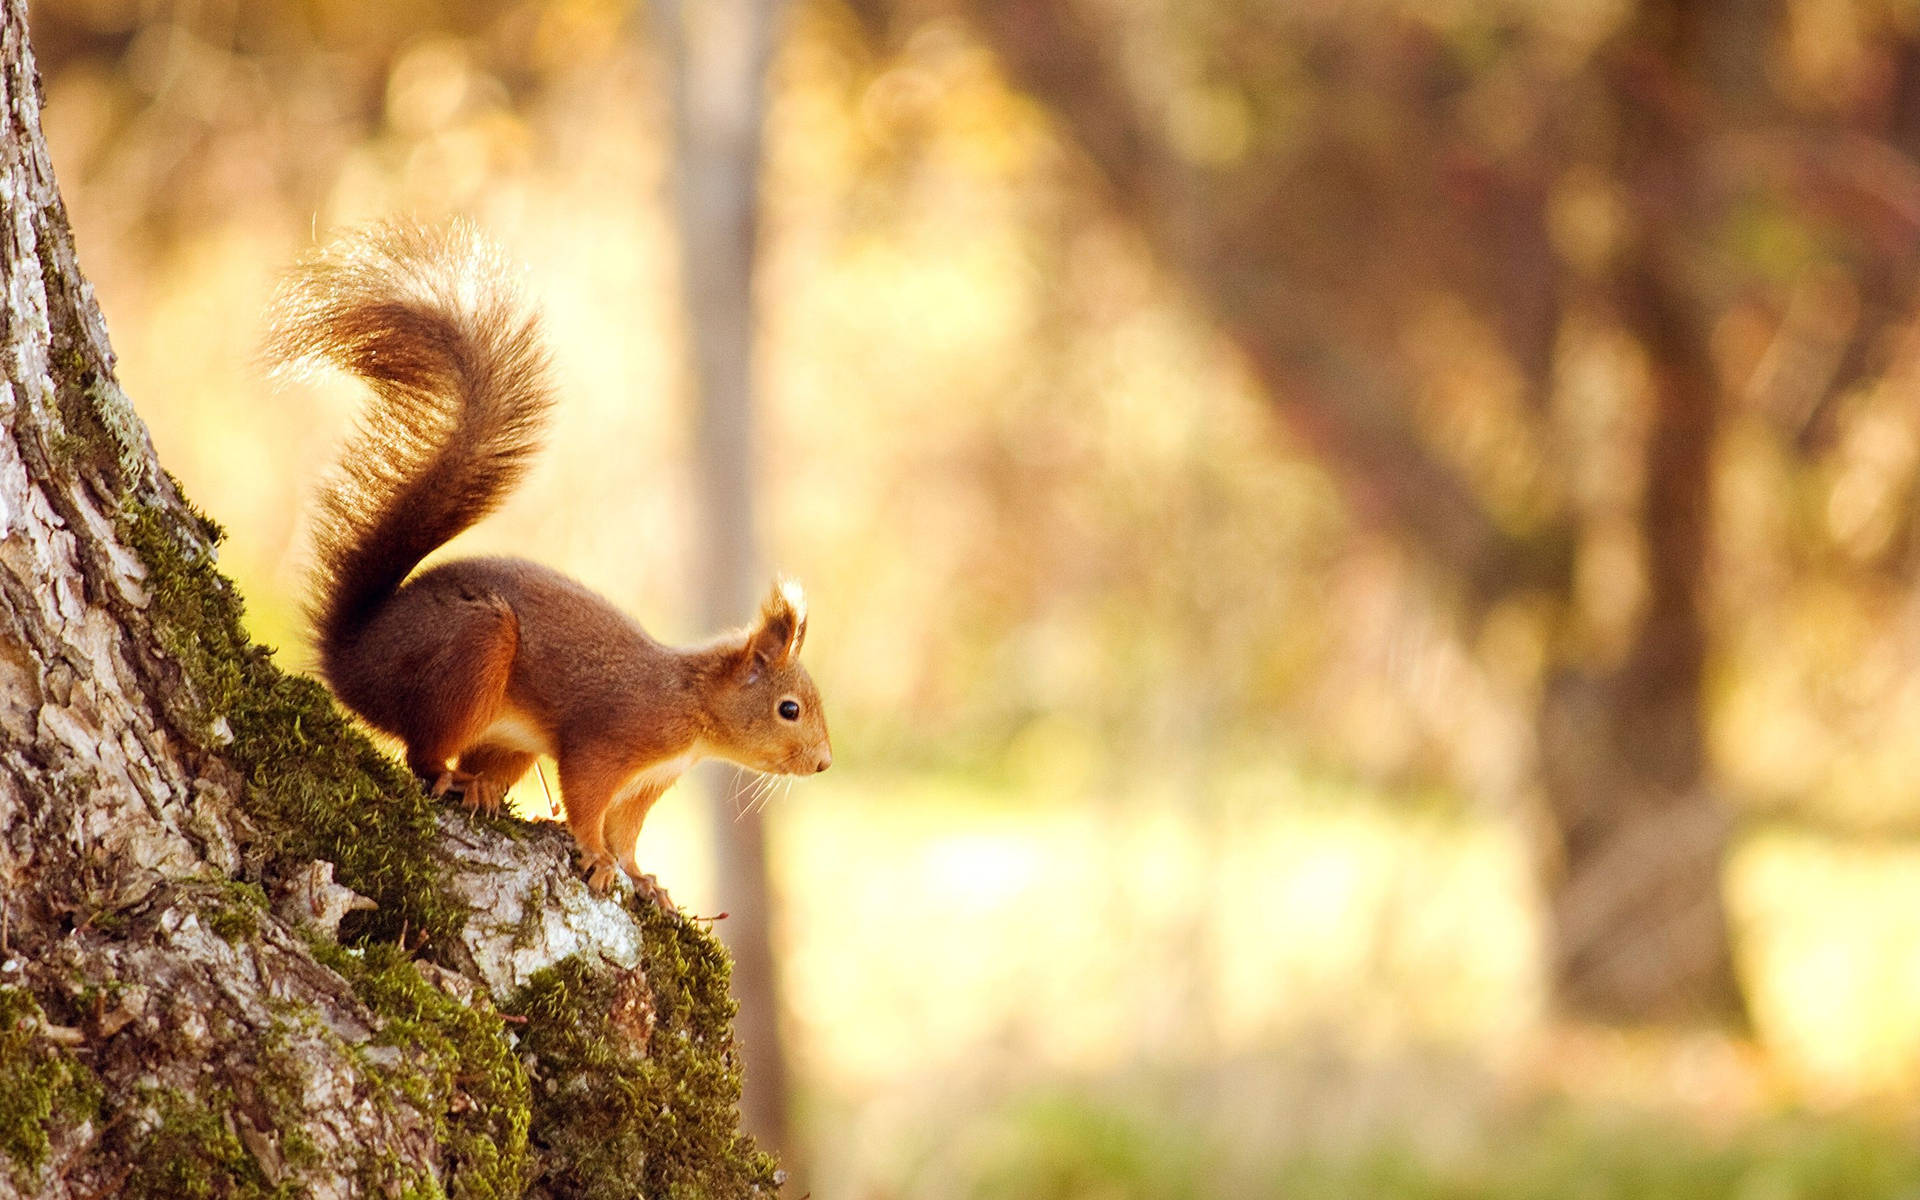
<point>430,318</point>
<point>481,665</point>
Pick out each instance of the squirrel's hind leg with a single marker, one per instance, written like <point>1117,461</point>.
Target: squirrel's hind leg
<point>462,687</point>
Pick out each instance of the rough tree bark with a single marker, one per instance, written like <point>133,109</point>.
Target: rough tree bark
<point>240,953</point>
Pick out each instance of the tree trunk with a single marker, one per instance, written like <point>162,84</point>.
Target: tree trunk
<point>183,830</point>
<point>1639,921</point>
<point>717,53</point>
<point>1639,928</point>
<point>1639,925</point>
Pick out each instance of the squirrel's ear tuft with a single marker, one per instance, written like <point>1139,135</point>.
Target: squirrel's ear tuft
<point>783,625</point>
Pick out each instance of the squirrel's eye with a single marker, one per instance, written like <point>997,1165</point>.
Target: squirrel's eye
<point>790,710</point>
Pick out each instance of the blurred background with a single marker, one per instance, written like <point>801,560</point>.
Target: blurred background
<point>1362,553</point>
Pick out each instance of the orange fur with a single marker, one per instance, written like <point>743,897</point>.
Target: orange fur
<point>481,664</point>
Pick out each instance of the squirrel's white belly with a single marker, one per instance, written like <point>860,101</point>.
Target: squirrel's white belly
<point>516,731</point>
<point>661,775</point>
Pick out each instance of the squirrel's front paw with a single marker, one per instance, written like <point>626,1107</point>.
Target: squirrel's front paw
<point>601,869</point>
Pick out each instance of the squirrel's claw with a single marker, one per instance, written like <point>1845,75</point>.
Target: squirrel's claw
<point>477,793</point>
<point>649,887</point>
<point>601,871</point>
<point>483,795</point>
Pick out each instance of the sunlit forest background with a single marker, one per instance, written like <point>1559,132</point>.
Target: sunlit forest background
<point>1362,553</point>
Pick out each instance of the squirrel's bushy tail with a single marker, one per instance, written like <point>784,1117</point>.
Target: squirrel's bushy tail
<point>430,318</point>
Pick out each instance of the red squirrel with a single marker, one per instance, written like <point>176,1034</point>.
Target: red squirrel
<point>482,664</point>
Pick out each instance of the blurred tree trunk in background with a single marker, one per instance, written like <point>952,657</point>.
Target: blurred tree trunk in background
<point>1638,916</point>
<point>717,52</point>
<point>1308,264</point>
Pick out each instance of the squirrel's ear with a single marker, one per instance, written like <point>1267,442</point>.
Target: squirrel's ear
<point>776,640</point>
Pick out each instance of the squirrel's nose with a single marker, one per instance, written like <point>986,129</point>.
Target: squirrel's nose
<point>825,761</point>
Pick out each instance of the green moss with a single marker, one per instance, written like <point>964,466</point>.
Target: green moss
<point>44,1084</point>
<point>315,786</point>
<point>280,1086</point>
<point>459,1069</point>
<point>117,429</point>
<point>525,933</point>
<point>233,909</point>
<point>93,997</point>
<point>194,1153</point>
<point>624,1107</point>
<point>99,430</point>
<point>233,924</point>
<point>385,1175</point>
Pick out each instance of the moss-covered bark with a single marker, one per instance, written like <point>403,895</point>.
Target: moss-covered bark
<point>314,787</point>
<point>633,1090</point>
<point>46,1087</point>
<point>176,1018</point>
